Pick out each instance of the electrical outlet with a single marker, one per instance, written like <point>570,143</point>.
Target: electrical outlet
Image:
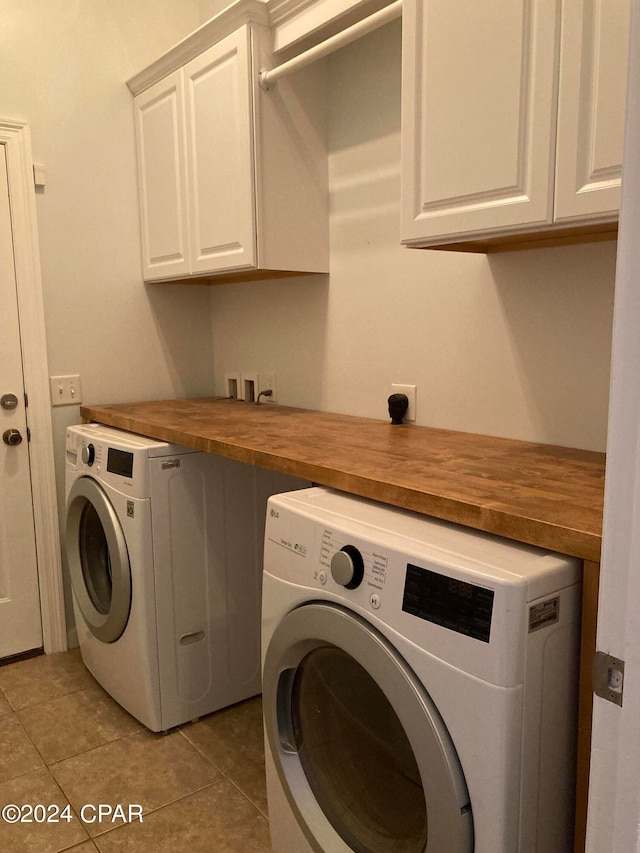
<point>233,385</point>
<point>65,390</point>
<point>411,391</point>
<point>249,387</point>
<point>268,383</point>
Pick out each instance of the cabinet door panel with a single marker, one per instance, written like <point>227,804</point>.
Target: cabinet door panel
<point>478,108</point>
<point>162,179</point>
<point>593,83</point>
<point>219,157</point>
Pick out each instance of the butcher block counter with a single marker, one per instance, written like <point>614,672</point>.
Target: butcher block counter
<point>541,494</point>
<point>537,493</point>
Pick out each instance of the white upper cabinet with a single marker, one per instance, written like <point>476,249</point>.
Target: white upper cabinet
<point>232,179</point>
<point>162,179</point>
<point>220,156</point>
<point>593,85</point>
<point>512,118</point>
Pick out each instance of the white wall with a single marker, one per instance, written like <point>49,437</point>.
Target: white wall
<point>515,345</point>
<point>65,64</point>
<point>64,67</point>
<point>209,8</point>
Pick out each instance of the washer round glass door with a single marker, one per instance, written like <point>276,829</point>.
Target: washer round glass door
<point>98,560</point>
<point>361,751</point>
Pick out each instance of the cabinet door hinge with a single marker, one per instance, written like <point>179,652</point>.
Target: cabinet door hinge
<point>608,677</point>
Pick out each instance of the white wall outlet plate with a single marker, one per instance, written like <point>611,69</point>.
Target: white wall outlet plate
<point>412,392</point>
<point>268,383</point>
<point>65,390</point>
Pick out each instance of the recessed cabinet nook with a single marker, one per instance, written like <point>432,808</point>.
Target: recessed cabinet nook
<point>513,117</point>
<point>232,179</point>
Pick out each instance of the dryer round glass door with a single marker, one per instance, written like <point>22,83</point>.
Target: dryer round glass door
<point>98,560</point>
<point>361,751</point>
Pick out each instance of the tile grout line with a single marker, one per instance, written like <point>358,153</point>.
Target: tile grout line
<point>147,811</point>
<point>248,798</point>
<point>93,748</point>
<point>44,767</point>
<point>117,736</point>
<point>47,768</point>
<point>26,734</point>
<point>75,689</point>
<point>224,774</point>
<point>159,808</point>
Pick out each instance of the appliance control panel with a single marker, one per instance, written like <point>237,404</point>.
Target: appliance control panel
<point>328,558</point>
<point>81,453</point>
<point>353,565</point>
<point>90,455</point>
<point>448,601</point>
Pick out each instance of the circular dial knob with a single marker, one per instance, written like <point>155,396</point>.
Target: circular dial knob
<point>347,567</point>
<point>88,454</point>
<point>12,437</point>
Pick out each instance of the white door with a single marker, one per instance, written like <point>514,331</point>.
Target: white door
<point>20,622</point>
<point>614,793</point>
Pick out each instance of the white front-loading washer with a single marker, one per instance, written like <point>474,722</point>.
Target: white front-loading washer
<point>419,683</point>
<point>164,549</point>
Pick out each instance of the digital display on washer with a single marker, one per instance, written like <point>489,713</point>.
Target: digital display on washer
<point>451,603</point>
<point>120,462</point>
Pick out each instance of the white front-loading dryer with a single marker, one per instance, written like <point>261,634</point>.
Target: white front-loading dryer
<point>164,549</point>
<point>419,683</point>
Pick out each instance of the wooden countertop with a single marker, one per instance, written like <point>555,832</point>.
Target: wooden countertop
<point>537,493</point>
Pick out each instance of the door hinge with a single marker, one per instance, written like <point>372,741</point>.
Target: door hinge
<point>608,677</point>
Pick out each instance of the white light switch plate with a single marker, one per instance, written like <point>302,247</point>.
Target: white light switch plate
<point>65,390</point>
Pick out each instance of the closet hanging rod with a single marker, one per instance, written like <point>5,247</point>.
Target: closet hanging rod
<point>367,25</point>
